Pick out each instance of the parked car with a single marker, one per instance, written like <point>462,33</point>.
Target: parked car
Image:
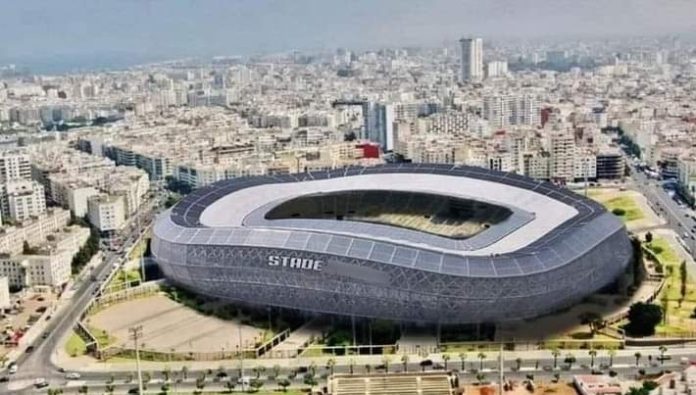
<point>72,376</point>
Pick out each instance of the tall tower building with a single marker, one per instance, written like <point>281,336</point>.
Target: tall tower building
<point>472,59</point>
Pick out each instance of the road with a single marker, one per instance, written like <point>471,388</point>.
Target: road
<point>678,218</point>
<point>38,363</point>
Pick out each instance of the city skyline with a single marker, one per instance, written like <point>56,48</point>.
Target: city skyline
<point>152,31</point>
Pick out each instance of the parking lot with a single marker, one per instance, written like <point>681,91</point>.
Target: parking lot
<point>27,309</point>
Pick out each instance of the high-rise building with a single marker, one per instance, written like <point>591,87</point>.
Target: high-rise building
<point>379,124</point>
<point>472,59</point>
<point>14,165</point>
<point>506,110</point>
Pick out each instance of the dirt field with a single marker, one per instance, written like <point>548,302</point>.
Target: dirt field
<point>169,326</point>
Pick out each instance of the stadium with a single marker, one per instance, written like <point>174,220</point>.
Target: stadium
<point>409,242</point>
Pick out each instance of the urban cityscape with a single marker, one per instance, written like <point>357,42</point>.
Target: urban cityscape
<point>450,200</point>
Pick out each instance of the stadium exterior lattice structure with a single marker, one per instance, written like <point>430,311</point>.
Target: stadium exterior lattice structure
<point>552,247</point>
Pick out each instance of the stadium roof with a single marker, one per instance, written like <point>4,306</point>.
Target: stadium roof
<point>550,226</point>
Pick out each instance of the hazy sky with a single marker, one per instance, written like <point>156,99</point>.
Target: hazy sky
<point>34,29</point>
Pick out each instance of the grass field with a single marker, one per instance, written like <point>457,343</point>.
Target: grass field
<point>75,345</point>
<point>679,310</point>
<point>631,210</point>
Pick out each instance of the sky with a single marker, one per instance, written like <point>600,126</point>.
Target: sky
<point>108,31</point>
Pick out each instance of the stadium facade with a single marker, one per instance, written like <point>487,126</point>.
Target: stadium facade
<point>422,243</point>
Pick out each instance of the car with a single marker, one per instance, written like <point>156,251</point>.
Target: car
<point>40,383</point>
<point>72,376</point>
<point>12,368</point>
<point>302,369</point>
<point>438,366</point>
<point>4,379</point>
<point>29,349</point>
<point>426,362</point>
<point>45,335</point>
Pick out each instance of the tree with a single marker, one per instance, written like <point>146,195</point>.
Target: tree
<point>276,371</point>
<point>284,384</point>
<point>184,372</point>
<point>556,353</point>
<point>593,320</point>
<point>481,357</point>
<point>663,350</point>
<point>330,363</point>
<point>258,370</point>
<point>643,318</point>
<point>638,355</point>
<point>386,360</point>
<point>368,368</point>
<point>110,388</point>
<point>351,365</point>
<point>612,354</point>
<point>256,384</point>
<point>462,358</point>
<point>683,277</point>
<point>200,383</point>
<point>593,354</point>
<point>229,384</point>
<point>83,389</point>
<point>480,377</point>
<point>445,359</point>
<point>648,237</point>
<point>518,362</point>
<point>404,361</point>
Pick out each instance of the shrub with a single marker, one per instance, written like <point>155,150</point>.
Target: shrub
<point>619,212</point>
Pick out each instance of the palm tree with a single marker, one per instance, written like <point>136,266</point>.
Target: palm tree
<point>385,360</point>
<point>481,357</point>
<point>556,353</point>
<point>276,370</point>
<point>663,350</point>
<point>637,355</point>
<point>612,354</point>
<point>184,372</point>
<point>445,359</point>
<point>462,358</point>
<point>351,365</point>
<point>368,368</point>
<point>518,361</point>
<point>230,386</point>
<point>330,363</point>
<point>83,390</point>
<point>258,370</point>
<point>593,354</point>
<point>404,360</point>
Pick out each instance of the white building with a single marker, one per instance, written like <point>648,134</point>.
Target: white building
<point>497,68</point>
<point>472,59</point>
<point>22,199</point>
<point>78,197</point>
<point>506,110</point>
<point>5,301</point>
<point>107,213</point>
<point>562,156</point>
<point>14,165</point>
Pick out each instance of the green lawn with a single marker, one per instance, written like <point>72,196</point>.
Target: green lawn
<point>102,336</point>
<point>631,210</point>
<point>75,345</point>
